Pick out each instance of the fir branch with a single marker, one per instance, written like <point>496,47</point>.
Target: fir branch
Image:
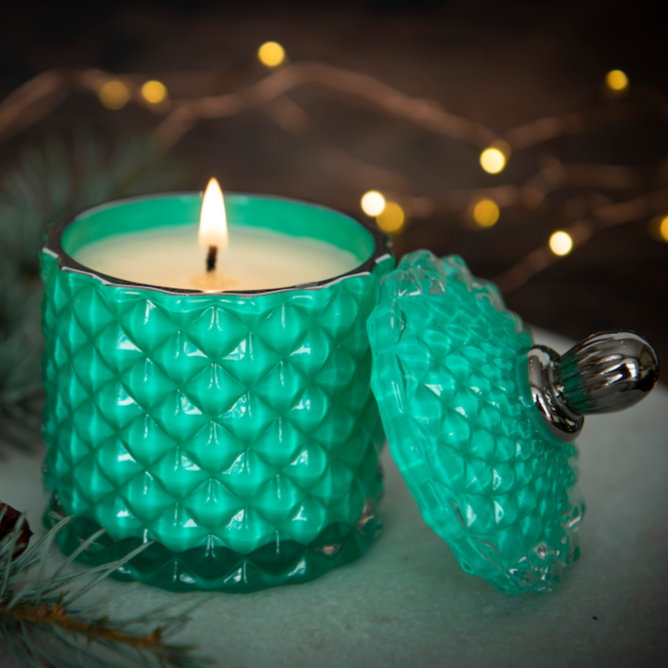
<point>97,629</point>
<point>43,606</point>
<point>61,178</point>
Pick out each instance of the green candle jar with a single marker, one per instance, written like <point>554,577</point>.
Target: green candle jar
<point>237,431</point>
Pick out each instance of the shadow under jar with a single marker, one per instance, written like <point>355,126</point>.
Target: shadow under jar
<point>235,430</point>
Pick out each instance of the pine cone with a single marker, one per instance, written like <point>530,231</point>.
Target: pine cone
<point>7,524</point>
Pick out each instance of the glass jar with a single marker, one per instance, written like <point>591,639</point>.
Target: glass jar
<point>236,431</point>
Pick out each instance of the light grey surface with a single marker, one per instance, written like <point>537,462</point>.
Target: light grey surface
<point>408,603</point>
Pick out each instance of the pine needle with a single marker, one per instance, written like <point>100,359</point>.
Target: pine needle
<point>42,607</point>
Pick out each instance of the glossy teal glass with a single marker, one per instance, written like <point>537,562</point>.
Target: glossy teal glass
<point>237,431</point>
<point>451,381</point>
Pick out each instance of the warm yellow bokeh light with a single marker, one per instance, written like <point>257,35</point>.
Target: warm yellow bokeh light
<point>486,212</point>
<point>492,160</point>
<point>663,228</point>
<point>271,54</point>
<point>373,203</point>
<point>114,95</point>
<point>616,80</point>
<point>154,92</point>
<point>561,243</point>
<point>391,218</point>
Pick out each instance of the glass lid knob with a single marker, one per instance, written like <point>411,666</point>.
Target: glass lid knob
<point>604,373</point>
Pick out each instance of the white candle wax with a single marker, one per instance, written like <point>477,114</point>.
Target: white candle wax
<point>256,259</point>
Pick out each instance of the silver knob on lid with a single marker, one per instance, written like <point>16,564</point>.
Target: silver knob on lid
<point>606,372</point>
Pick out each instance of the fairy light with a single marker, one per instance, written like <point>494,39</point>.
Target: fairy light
<point>271,54</point>
<point>486,212</point>
<point>616,80</point>
<point>114,95</point>
<point>561,243</point>
<point>492,160</point>
<point>154,92</point>
<point>663,228</point>
<point>392,218</point>
<point>373,203</point>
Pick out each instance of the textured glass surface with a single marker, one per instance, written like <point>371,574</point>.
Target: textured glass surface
<point>449,373</point>
<point>214,567</point>
<point>223,427</point>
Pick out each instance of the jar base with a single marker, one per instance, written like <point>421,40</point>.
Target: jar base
<point>219,568</point>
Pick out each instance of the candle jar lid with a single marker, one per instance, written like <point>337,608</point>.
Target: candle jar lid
<point>481,422</point>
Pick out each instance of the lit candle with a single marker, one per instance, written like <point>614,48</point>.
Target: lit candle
<point>235,430</point>
<point>184,257</point>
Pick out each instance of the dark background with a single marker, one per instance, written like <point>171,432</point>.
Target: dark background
<point>501,64</point>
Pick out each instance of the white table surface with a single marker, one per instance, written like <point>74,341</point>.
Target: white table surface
<point>408,603</point>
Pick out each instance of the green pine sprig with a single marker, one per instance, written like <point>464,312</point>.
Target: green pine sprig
<point>44,625</point>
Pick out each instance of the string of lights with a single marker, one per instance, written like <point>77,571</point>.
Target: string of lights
<point>396,205</point>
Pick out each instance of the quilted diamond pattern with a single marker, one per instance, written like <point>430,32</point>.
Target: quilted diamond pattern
<point>447,373</point>
<point>212,566</point>
<point>210,420</point>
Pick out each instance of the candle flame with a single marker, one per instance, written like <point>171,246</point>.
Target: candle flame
<point>213,222</point>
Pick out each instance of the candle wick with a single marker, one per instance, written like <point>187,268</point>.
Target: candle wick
<point>211,258</point>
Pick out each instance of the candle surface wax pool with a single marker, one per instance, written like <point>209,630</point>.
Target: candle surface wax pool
<point>257,259</point>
